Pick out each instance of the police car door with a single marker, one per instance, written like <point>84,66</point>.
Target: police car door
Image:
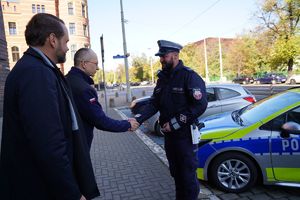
<point>285,152</point>
<point>213,106</point>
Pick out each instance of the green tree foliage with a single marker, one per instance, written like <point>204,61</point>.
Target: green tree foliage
<point>284,51</point>
<point>192,56</point>
<point>213,61</point>
<point>244,57</point>
<point>120,74</point>
<point>97,77</point>
<point>281,17</point>
<point>156,67</point>
<point>140,68</point>
<point>110,77</point>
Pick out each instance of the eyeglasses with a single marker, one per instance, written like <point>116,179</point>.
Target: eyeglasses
<point>95,63</point>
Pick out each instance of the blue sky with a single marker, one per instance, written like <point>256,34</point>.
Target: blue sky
<point>181,21</point>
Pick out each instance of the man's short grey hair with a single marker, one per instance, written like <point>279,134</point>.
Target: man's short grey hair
<point>83,54</point>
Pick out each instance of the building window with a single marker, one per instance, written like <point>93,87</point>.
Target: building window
<point>38,8</point>
<point>43,8</point>
<point>83,8</point>
<point>15,8</point>
<point>15,53</point>
<point>33,8</point>
<point>85,31</point>
<point>70,8</point>
<point>3,7</point>
<point>73,50</point>
<point>12,28</point>
<point>72,28</point>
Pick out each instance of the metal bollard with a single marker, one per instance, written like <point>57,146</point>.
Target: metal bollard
<point>111,102</point>
<point>271,89</point>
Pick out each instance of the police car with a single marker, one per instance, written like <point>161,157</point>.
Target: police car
<point>255,143</point>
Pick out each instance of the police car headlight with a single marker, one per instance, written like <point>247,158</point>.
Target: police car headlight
<point>203,142</point>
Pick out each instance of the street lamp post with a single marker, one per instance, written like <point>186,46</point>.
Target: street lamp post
<point>152,74</point>
<point>151,65</point>
<point>125,53</point>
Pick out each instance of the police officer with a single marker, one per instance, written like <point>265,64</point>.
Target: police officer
<point>180,96</point>
<point>86,98</point>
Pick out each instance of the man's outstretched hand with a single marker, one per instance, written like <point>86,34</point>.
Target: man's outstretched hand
<point>134,124</point>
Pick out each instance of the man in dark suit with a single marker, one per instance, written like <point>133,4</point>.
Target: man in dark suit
<point>86,98</point>
<point>44,154</point>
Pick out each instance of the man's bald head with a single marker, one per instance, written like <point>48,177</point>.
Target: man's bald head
<point>86,60</point>
<point>84,54</point>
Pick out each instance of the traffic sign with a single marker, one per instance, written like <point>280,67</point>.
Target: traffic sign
<point>118,56</point>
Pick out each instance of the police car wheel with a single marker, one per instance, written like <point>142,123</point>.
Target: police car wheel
<point>233,172</point>
<point>157,130</point>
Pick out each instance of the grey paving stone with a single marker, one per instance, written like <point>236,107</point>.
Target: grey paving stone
<point>245,194</point>
<point>126,169</point>
<point>229,196</point>
<point>276,194</point>
<point>260,197</point>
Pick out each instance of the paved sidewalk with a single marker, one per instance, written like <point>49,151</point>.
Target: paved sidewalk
<point>125,168</point>
<point>130,166</point>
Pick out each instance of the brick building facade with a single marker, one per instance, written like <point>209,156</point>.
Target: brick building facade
<point>17,13</point>
<point>3,61</point>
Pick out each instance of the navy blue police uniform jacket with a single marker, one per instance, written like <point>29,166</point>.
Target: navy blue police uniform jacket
<point>180,97</point>
<point>90,109</point>
<point>41,156</point>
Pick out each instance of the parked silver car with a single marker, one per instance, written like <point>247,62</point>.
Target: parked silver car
<point>294,79</point>
<point>221,98</point>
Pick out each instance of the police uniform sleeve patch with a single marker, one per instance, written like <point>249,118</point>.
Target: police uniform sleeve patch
<point>92,100</point>
<point>197,94</point>
<point>182,118</point>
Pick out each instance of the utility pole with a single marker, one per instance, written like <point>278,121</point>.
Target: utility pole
<point>104,82</point>
<point>151,66</point>
<point>206,65</point>
<point>125,54</point>
<point>221,62</point>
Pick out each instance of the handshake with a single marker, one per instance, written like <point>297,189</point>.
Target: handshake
<point>134,124</point>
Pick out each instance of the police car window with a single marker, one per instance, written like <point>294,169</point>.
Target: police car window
<point>268,106</point>
<point>227,93</point>
<point>211,95</point>
<point>276,124</point>
<point>294,115</point>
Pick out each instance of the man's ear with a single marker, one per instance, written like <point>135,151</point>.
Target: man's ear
<point>52,40</point>
<point>82,64</point>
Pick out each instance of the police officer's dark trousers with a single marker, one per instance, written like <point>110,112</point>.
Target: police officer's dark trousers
<point>182,157</point>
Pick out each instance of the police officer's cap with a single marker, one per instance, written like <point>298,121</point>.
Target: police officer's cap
<point>167,47</point>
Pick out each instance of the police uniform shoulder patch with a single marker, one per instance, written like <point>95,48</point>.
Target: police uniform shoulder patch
<point>197,94</point>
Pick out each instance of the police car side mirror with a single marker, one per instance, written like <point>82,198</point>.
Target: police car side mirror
<point>290,128</point>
